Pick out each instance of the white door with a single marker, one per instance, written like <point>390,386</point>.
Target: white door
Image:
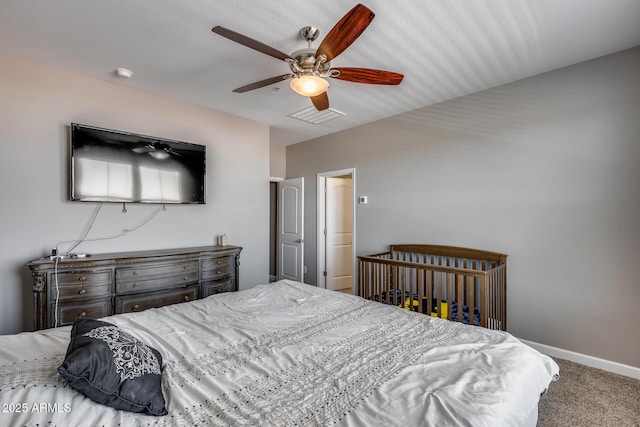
<point>291,229</point>
<point>339,229</point>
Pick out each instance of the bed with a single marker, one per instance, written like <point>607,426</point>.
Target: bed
<point>459,284</point>
<point>285,354</point>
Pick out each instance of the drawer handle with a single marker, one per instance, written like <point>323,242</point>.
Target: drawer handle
<point>186,297</point>
<point>135,285</point>
<point>219,262</point>
<point>135,273</point>
<point>184,267</point>
<point>185,278</point>
<point>219,271</point>
<point>82,291</point>
<point>83,314</point>
<point>136,307</point>
<point>82,278</point>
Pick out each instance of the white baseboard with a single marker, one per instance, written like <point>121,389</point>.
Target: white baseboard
<point>584,359</point>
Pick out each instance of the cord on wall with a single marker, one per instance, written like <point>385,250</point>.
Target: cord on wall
<point>55,274</point>
<point>82,239</point>
<point>123,232</point>
<point>86,232</point>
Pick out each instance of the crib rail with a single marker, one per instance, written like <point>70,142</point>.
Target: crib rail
<point>458,284</point>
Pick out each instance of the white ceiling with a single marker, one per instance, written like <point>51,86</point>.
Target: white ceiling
<point>445,48</point>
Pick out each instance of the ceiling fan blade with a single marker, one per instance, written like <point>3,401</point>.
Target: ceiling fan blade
<point>262,83</point>
<point>249,42</point>
<point>321,102</point>
<point>366,75</point>
<point>345,32</point>
<point>142,149</point>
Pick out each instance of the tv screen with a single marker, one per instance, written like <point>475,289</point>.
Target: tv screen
<point>112,166</point>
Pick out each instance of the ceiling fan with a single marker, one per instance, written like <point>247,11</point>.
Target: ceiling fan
<point>311,67</point>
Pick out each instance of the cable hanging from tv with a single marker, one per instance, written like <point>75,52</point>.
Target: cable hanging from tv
<point>124,231</point>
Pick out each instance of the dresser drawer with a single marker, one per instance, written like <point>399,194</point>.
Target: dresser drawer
<point>159,283</point>
<point>75,278</point>
<point>77,292</point>
<point>212,263</point>
<point>68,312</point>
<point>141,302</point>
<point>77,285</point>
<point>148,271</point>
<point>158,276</point>
<point>218,287</point>
<point>217,268</point>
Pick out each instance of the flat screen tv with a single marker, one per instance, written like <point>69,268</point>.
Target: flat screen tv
<point>113,166</point>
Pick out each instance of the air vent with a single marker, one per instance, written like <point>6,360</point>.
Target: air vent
<point>315,117</point>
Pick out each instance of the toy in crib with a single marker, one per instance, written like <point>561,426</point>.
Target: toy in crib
<point>434,311</point>
<point>444,307</point>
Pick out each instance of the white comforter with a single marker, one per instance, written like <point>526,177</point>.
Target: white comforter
<point>292,354</point>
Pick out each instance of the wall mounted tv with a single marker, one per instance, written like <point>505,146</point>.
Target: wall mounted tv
<point>113,166</point>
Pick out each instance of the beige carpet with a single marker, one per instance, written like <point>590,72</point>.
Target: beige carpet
<point>585,396</point>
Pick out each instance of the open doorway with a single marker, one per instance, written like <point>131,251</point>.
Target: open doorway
<point>273,228</point>
<point>336,230</point>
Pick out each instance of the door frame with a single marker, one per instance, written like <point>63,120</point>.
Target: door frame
<point>320,215</point>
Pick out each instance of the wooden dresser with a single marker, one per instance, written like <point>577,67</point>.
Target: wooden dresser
<point>106,284</point>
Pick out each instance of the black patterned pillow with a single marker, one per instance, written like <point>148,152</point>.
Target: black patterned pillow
<point>113,368</point>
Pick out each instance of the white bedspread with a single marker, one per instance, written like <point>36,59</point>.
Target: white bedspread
<point>292,354</point>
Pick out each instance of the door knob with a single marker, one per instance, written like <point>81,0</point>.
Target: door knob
<point>299,241</point>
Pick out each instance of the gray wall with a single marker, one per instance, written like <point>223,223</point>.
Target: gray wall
<point>37,105</point>
<point>277,160</point>
<point>545,169</point>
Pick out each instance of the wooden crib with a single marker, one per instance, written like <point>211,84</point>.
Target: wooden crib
<point>458,284</point>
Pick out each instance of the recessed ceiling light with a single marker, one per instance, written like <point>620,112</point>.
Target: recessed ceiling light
<point>124,73</point>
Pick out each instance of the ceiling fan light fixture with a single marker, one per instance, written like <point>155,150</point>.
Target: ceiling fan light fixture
<point>309,85</point>
<point>123,73</point>
<point>159,155</point>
